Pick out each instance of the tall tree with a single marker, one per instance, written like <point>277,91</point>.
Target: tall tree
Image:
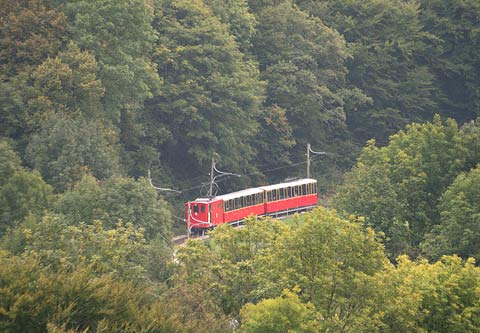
<point>397,187</point>
<point>237,16</point>
<point>454,58</point>
<point>68,83</point>
<point>22,193</point>
<point>303,62</point>
<point>388,45</point>
<point>279,315</point>
<point>68,146</point>
<point>459,228</point>
<point>30,31</point>
<point>117,199</point>
<point>120,35</point>
<point>209,103</point>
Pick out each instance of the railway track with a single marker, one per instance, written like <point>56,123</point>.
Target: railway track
<point>179,240</point>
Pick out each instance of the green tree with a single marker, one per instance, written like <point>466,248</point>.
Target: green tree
<point>22,193</point>
<point>9,161</point>
<point>416,168</point>
<point>236,15</point>
<point>136,202</point>
<point>389,45</point>
<point>67,83</point>
<point>459,228</point>
<point>211,95</point>
<point>69,146</point>
<point>274,141</point>
<point>30,32</point>
<point>117,199</point>
<point>279,315</point>
<point>422,297</point>
<point>120,35</point>
<point>454,58</point>
<point>34,299</point>
<point>303,62</point>
<point>333,261</point>
<point>229,263</point>
<point>57,246</point>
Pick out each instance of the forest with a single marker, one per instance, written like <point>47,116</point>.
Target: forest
<point>97,96</point>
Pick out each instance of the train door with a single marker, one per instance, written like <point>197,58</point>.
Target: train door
<point>216,212</point>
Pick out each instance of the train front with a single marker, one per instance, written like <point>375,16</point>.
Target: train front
<point>197,215</point>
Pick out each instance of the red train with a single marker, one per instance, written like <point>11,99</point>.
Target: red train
<point>273,200</point>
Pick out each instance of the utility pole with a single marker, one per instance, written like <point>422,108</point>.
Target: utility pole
<point>210,192</point>
<point>308,160</point>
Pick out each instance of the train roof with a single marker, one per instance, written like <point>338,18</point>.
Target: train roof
<point>255,190</point>
<point>242,193</point>
<point>287,184</point>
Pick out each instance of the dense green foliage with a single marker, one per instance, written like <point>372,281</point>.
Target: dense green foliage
<point>398,187</point>
<point>170,84</point>
<point>95,93</point>
<point>327,274</point>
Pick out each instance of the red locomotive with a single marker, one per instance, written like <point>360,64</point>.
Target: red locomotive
<point>273,200</point>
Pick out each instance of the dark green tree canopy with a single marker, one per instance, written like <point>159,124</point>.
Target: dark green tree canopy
<point>211,94</point>
<point>397,187</point>
<point>459,228</point>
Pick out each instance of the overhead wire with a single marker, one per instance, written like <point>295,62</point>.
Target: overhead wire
<point>244,175</point>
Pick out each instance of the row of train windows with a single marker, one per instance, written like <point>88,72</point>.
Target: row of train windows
<point>291,192</point>
<point>248,200</point>
<point>273,195</point>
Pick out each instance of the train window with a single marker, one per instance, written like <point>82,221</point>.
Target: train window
<point>295,191</point>
<point>274,195</point>
<point>304,189</point>
<point>202,209</point>
<point>195,208</point>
